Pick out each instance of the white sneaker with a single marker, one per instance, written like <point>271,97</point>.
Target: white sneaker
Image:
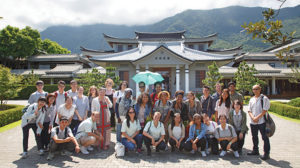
<point>223,153</point>
<point>90,148</point>
<point>24,155</point>
<point>41,152</point>
<point>167,148</point>
<point>236,154</point>
<point>207,151</point>
<point>192,151</point>
<point>203,154</point>
<point>84,150</point>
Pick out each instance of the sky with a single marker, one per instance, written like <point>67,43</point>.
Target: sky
<point>40,14</point>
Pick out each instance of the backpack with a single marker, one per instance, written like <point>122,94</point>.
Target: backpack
<point>25,108</point>
<point>230,128</point>
<point>66,131</point>
<point>120,149</point>
<point>56,94</point>
<point>270,124</point>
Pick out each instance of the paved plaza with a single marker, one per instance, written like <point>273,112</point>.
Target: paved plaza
<point>284,153</point>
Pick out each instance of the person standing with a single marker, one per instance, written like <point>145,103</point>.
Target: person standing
<point>179,107</point>
<point>102,104</point>
<point>39,93</point>
<point>217,94</point>
<point>93,93</point>
<point>223,105</point>
<point>154,95</point>
<point>109,83</point>
<point>143,108</point>
<point>234,96</point>
<point>193,105</point>
<point>121,90</point>
<point>206,102</point>
<point>73,91</point>
<point>60,98</point>
<point>258,107</point>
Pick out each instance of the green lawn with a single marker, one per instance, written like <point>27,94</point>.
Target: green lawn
<point>286,118</point>
<point>10,126</point>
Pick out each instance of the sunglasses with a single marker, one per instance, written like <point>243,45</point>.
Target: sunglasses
<point>255,89</point>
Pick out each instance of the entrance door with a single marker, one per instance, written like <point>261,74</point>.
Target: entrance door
<point>166,74</point>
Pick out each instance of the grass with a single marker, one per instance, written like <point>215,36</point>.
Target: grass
<point>10,126</point>
<point>286,118</point>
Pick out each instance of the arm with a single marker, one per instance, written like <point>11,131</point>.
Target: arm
<point>78,116</point>
<point>202,133</point>
<point>171,133</point>
<point>117,110</point>
<point>108,102</point>
<point>244,128</point>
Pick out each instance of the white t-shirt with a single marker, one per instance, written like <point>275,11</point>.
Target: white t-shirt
<point>256,108</point>
<point>177,132</point>
<point>155,132</point>
<point>211,128</point>
<point>134,126</point>
<point>60,99</point>
<point>63,111</point>
<point>141,115</point>
<point>118,94</point>
<point>85,127</point>
<point>72,94</point>
<point>223,109</point>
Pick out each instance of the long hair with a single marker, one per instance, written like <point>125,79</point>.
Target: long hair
<point>227,101</point>
<point>93,87</point>
<point>48,97</point>
<point>140,99</point>
<point>120,86</point>
<point>128,117</point>
<point>195,117</point>
<point>173,121</point>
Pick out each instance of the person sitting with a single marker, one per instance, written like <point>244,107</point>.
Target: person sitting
<point>62,139</point>
<point>238,119</point>
<point>211,141</point>
<point>196,136</point>
<point>87,134</point>
<point>176,133</point>
<point>226,136</point>
<point>154,134</point>
<point>131,137</point>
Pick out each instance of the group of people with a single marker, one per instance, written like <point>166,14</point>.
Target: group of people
<point>68,120</point>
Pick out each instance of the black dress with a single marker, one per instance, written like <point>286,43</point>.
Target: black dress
<point>112,112</point>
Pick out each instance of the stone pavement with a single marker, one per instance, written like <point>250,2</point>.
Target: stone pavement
<point>284,153</point>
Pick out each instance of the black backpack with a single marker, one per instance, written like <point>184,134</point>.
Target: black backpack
<point>66,132</point>
<point>270,124</point>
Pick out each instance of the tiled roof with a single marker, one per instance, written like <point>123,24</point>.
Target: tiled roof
<point>165,35</point>
<point>65,68</point>
<point>28,71</point>
<point>54,57</point>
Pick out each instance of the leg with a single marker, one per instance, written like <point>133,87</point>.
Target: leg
<point>112,117</point>
<point>172,142</point>
<point>38,139</point>
<point>181,147</point>
<point>214,145</point>
<point>148,144</point>
<point>53,146</point>
<point>254,132</point>
<point>234,146</point>
<point>262,130</point>
<point>188,146</point>
<point>224,144</point>
<point>139,140</point>
<point>202,144</point>
<point>161,146</point>
<point>25,130</point>
<point>107,133</point>
<point>87,141</point>
<point>69,146</point>
<point>45,136</point>
<point>129,145</point>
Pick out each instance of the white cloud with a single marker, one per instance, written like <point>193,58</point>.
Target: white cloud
<point>43,13</point>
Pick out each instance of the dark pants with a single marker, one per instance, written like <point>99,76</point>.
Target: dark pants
<point>61,146</point>
<point>26,136</point>
<point>112,118</point>
<point>212,143</point>
<point>172,142</point>
<point>131,146</point>
<point>74,126</point>
<point>45,136</point>
<point>161,146</point>
<point>188,146</point>
<point>240,141</point>
<point>224,144</point>
<point>254,132</point>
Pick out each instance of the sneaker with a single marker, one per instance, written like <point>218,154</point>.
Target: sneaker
<point>192,151</point>
<point>139,151</point>
<point>265,157</point>
<point>90,148</point>
<point>236,154</point>
<point>24,155</point>
<point>84,150</point>
<point>50,156</point>
<point>223,153</point>
<point>167,148</point>
<point>203,154</point>
<point>68,153</point>
<point>41,152</point>
<point>62,153</point>
<point>46,149</point>
<point>253,153</point>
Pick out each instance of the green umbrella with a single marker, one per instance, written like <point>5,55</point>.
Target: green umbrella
<point>148,77</point>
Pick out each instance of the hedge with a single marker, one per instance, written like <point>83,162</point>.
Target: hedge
<point>295,102</point>
<point>26,92</point>
<point>11,115</point>
<point>285,109</point>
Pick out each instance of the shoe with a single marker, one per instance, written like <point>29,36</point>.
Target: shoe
<point>207,151</point>
<point>203,153</point>
<point>24,155</point>
<point>167,148</point>
<point>41,152</point>
<point>46,149</point>
<point>192,151</point>
<point>68,153</point>
<point>265,157</point>
<point>139,151</point>
<point>223,153</point>
<point>236,154</point>
<point>90,148</point>
<point>84,150</point>
<point>62,153</point>
<point>253,153</point>
<point>50,156</point>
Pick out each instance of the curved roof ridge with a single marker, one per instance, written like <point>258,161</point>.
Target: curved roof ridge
<point>207,53</point>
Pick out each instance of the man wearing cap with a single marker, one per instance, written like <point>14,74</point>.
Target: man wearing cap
<point>62,139</point>
<point>39,92</point>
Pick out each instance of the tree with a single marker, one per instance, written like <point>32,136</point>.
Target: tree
<point>31,78</point>
<point>51,47</point>
<point>213,76</point>
<point>270,31</point>
<point>110,73</point>
<point>245,78</point>
<point>10,84</point>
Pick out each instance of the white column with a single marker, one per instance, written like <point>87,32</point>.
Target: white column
<point>273,86</point>
<point>137,70</point>
<point>177,78</point>
<point>51,81</point>
<point>187,71</point>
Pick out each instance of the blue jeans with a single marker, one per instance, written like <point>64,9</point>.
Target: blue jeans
<point>131,146</point>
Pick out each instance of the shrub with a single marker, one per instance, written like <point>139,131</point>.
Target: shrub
<point>14,113</point>
<point>295,102</point>
<point>247,99</point>
<point>285,110</point>
<point>26,92</point>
